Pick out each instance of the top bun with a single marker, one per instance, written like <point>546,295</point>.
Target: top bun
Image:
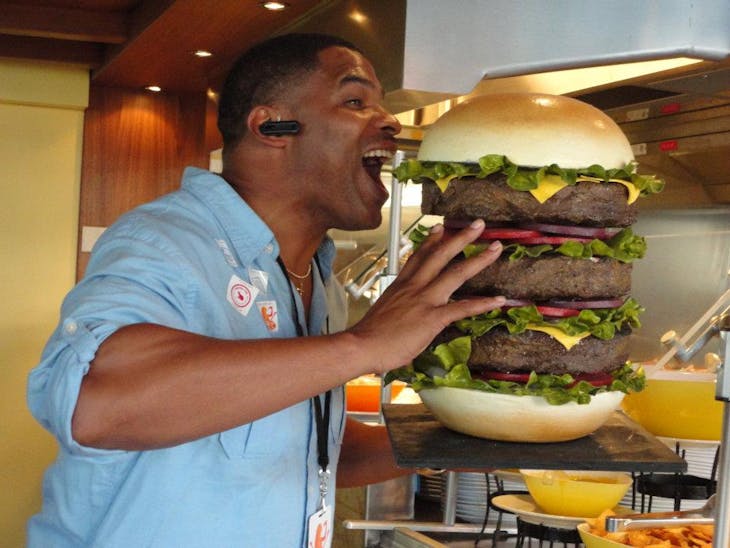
<point>530,129</point>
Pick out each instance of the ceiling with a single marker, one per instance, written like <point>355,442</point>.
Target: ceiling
<point>135,43</point>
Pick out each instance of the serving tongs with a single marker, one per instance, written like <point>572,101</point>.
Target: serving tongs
<point>701,516</point>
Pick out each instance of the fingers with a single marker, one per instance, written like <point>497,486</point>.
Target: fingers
<point>421,294</point>
<point>459,272</point>
<point>464,308</point>
<point>436,252</point>
<point>432,271</point>
<point>413,264</point>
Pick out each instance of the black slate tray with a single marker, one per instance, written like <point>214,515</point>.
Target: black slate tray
<point>420,441</point>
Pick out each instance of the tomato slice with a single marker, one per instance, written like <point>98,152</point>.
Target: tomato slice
<point>537,240</point>
<point>596,379</point>
<point>493,233</point>
<point>556,312</point>
<point>516,376</point>
<point>508,234</point>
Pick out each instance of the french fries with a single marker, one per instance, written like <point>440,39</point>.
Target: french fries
<point>686,536</point>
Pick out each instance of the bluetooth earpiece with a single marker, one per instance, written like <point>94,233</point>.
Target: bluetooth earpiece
<point>280,127</point>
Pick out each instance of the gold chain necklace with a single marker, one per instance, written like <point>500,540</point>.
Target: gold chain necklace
<point>299,289</point>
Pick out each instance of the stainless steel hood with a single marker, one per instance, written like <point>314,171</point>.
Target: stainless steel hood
<point>683,135</point>
<point>431,51</point>
<point>427,49</point>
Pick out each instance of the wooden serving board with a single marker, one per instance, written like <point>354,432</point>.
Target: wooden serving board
<point>420,441</point>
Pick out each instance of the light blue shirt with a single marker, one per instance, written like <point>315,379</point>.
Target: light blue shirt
<point>200,260</point>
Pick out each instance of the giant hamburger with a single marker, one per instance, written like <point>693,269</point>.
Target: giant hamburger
<point>555,181</point>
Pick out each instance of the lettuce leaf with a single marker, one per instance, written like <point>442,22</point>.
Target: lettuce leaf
<point>521,178</point>
<point>429,371</point>
<point>602,323</point>
<point>625,246</point>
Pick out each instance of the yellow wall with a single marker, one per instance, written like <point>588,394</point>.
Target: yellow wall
<point>41,131</point>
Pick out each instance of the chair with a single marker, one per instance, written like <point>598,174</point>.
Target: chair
<point>677,486</point>
<point>542,533</point>
<point>526,532</point>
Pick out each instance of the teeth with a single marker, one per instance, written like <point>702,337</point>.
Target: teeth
<point>379,153</point>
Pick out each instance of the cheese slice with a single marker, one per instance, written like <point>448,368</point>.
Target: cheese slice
<point>568,341</point>
<point>631,187</point>
<point>547,187</point>
<point>443,182</point>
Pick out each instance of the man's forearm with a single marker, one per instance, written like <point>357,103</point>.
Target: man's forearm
<point>151,386</point>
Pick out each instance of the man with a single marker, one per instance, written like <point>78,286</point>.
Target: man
<point>183,382</point>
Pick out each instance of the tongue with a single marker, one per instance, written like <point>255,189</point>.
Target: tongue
<point>373,167</point>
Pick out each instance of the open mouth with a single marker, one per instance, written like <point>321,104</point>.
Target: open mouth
<point>373,162</point>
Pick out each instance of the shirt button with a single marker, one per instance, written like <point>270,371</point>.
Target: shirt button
<point>71,327</point>
<point>269,248</point>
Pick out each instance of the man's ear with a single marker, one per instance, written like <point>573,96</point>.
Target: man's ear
<point>260,115</point>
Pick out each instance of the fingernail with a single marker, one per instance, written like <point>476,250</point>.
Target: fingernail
<point>495,245</point>
<point>436,228</point>
<point>477,223</point>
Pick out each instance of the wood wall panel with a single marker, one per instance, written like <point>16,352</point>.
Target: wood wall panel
<point>136,146</point>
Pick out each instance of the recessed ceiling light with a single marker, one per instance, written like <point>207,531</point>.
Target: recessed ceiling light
<point>202,53</point>
<point>155,89</point>
<point>358,16</point>
<point>275,6</point>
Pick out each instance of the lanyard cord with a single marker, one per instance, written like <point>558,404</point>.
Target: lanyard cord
<point>321,419</point>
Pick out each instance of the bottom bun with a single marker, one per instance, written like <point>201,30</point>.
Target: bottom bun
<point>504,417</point>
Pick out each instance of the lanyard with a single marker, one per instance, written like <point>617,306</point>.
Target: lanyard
<point>323,421</point>
<point>321,417</point>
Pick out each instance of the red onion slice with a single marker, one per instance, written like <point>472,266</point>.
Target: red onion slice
<point>602,233</point>
<point>552,240</point>
<point>579,305</point>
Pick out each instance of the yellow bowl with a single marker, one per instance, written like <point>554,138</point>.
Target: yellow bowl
<point>594,541</point>
<point>677,404</point>
<point>576,493</point>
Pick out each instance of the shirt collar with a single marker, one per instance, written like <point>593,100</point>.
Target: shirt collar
<point>248,233</point>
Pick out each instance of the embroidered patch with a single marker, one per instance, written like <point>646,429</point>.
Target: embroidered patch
<point>241,294</point>
<point>270,315</point>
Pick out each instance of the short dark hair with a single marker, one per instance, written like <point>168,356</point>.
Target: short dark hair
<point>265,71</point>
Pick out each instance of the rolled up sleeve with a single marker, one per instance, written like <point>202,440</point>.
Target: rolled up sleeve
<point>101,304</point>
<point>54,385</point>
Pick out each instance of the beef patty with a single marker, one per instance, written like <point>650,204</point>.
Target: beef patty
<point>552,277</point>
<point>491,199</point>
<point>535,351</point>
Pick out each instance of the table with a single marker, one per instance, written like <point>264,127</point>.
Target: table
<point>420,441</point>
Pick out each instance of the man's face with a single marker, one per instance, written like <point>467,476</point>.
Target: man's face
<point>346,135</point>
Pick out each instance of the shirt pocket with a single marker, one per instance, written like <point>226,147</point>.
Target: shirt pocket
<point>272,436</point>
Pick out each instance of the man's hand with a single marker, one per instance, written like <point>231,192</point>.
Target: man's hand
<point>418,305</point>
